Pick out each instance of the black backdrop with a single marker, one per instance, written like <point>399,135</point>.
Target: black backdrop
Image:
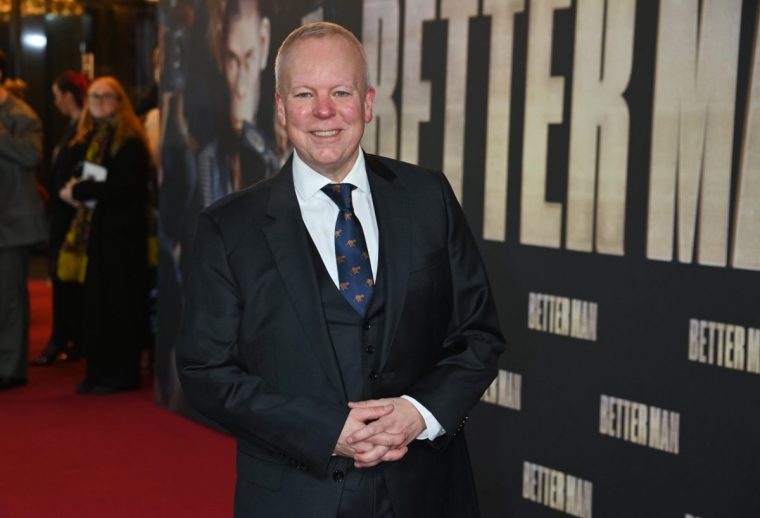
<point>606,154</point>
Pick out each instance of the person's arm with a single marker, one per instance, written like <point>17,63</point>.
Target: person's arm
<point>470,350</point>
<point>474,340</point>
<point>433,428</point>
<point>20,138</point>
<point>301,429</point>
<point>127,177</point>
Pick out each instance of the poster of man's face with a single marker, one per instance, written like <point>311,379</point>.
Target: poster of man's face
<point>246,37</point>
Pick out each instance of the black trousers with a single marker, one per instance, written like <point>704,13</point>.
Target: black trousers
<point>265,493</point>
<point>369,500</point>
<point>14,311</point>
<point>67,312</point>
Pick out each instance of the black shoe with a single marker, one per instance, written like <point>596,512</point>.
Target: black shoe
<point>9,383</point>
<point>48,356</point>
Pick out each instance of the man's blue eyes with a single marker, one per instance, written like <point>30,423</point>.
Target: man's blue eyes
<point>305,95</point>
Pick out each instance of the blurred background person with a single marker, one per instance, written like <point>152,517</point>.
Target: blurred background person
<point>22,224</point>
<point>148,99</point>
<point>69,91</point>
<point>110,190</point>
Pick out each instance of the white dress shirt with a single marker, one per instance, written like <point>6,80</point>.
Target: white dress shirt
<point>319,213</point>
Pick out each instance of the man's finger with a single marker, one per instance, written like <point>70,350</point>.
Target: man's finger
<point>373,455</point>
<point>366,403</point>
<point>395,454</point>
<point>372,412</point>
<point>365,433</point>
<point>381,438</point>
<point>379,426</point>
<point>390,456</point>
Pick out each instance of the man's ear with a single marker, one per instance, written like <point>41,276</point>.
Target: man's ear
<point>265,36</point>
<point>279,103</point>
<point>369,101</point>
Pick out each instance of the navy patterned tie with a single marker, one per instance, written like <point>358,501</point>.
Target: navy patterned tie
<point>354,269</point>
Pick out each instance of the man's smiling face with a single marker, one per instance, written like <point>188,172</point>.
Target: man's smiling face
<point>325,103</point>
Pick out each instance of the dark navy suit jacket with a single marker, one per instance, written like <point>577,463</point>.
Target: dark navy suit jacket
<point>255,355</point>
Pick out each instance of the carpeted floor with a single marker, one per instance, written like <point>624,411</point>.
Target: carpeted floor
<point>66,455</point>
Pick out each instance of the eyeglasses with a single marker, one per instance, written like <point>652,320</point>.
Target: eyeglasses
<point>95,97</point>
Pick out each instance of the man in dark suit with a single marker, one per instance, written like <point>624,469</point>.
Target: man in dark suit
<point>340,322</point>
<point>22,223</point>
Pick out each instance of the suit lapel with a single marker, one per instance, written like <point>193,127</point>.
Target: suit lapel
<point>288,240</point>
<point>392,211</point>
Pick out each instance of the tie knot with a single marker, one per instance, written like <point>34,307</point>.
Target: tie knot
<point>340,193</point>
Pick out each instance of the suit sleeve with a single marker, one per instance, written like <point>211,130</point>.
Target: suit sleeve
<point>216,383</point>
<point>21,139</point>
<point>470,351</point>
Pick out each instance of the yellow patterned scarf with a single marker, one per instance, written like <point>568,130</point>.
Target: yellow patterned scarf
<point>72,257</point>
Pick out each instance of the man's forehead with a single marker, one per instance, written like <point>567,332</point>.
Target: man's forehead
<point>245,10</point>
<point>337,41</point>
<point>309,55</point>
<point>243,25</point>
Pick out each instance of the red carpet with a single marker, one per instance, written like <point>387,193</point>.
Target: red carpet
<point>67,455</point>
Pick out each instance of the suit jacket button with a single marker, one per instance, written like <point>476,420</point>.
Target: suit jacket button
<point>373,376</point>
<point>370,349</point>
<point>367,325</point>
<point>338,475</point>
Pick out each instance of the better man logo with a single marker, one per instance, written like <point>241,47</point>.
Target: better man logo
<point>640,424</point>
<point>724,345</point>
<point>557,490</point>
<point>562,316</point>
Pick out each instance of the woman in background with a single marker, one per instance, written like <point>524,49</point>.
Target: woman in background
<point>69,92</point>
<point>111,196</point>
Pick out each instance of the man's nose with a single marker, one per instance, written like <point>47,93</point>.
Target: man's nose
<point>241,88</point>
<point>242,80</point>
<point>324,107</point>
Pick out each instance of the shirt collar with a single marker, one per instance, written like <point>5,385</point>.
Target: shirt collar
<point>308,182</point>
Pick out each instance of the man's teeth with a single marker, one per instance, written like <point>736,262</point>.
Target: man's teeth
<point>330,133</point>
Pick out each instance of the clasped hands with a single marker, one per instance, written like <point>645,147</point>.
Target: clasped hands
<point>379,430</point>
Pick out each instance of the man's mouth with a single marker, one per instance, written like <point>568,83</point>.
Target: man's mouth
<point>326,133</point>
